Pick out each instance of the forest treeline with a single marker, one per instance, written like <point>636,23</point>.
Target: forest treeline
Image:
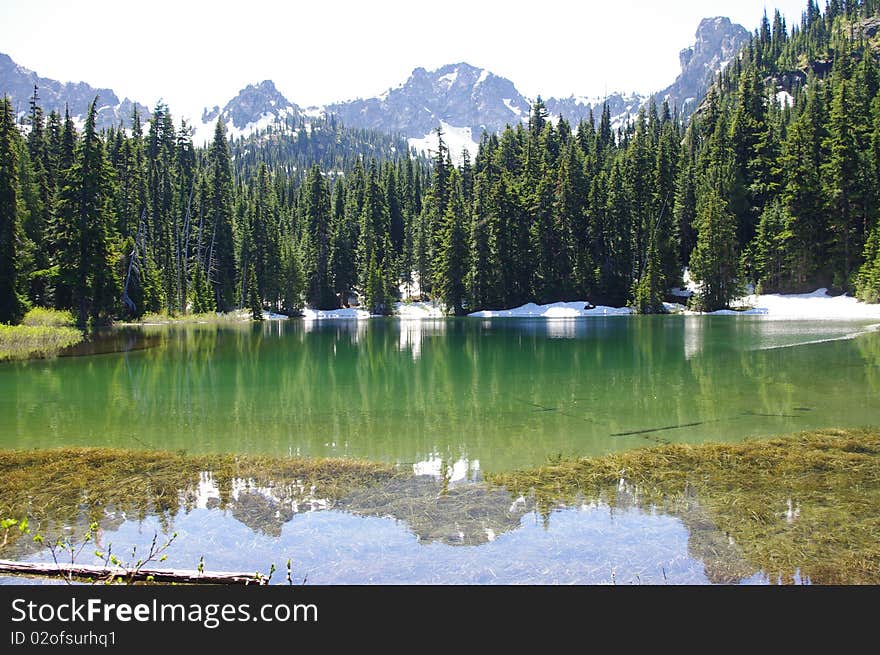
<point>774,181</point>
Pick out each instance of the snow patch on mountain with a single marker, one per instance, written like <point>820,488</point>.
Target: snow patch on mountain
<point>516,111</point>
<point>255,108</point>
<point>456,139</point>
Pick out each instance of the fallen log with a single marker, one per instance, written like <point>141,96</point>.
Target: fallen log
<point>121,574</point>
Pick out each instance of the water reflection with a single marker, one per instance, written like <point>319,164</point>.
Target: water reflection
<point>508,394</point>
<point>400,528</point>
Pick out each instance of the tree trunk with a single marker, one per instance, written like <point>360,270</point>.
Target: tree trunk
<point>179,576</point>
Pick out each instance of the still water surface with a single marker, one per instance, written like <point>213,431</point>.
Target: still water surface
<point>448,400</point>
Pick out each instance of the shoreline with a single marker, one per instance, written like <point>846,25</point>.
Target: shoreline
<point>806,306</point>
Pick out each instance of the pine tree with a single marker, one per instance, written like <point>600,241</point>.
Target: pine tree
<point>714,260</point>
<point>803,197</point>
<point>12,305</point>
<point>770,251</point>
<point>616,259</point>
<point>842,176</point>
<point>374,227</point>
<point>343,267</point>
<point>452,262</point>
<point>85,210</point>
<point>377,295</point>
<point>292,282</point>
<point>253,295</point>
<point>546,245</point>
<point>316,242</point>
<point>39,218</point>
<point>221,251</point>
<point>202,298</point>
<point>868,280</point>
<point>648,291</point>
<point>481,276</point>
<point>574,222</point>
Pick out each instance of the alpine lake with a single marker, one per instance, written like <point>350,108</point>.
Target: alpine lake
<point>394,451</point>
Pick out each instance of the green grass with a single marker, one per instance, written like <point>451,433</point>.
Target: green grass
<point>42,317</point>
<point>209,318</point>
<point>829,478</point>
<point>28,342</point>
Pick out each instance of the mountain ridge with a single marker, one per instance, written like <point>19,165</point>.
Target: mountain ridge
<point>18,83</point>
<point>463,99</point>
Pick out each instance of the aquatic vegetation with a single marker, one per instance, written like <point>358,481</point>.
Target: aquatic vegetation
<point>788,509</point>
<point>75,486</point>
<point>806,506</point>
<point>27,341</point>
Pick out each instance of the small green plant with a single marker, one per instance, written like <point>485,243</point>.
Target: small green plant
<point>133,566</point>
<point>7,525</point>
<point>43,317</point>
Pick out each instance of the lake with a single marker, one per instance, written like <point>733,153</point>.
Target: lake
<point>447,401</point>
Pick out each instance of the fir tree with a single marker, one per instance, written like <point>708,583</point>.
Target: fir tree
<point>648,291</point>
<point>714,260</point>
<point>452,264</point>
<point>12,304</point>
<point>316,242</point>
<point>221,252</point>
<point>85,208</point>
<point>769,251</point>
<point>292,282</point>
<point>377,295</point>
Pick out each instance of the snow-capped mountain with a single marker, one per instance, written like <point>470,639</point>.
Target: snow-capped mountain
<point>18,83</point>
<point>465,100</point>
<point>462,99</point>
<point>256,107</point>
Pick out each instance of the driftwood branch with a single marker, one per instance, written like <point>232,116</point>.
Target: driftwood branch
<point>111,573</point>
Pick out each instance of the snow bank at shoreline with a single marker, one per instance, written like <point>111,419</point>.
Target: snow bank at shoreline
<point>559,310</point>
<point>807,306</point>
<point>414,311</point>
<point>814,306</point>
<point>335,315</point>
<point>418,311</point>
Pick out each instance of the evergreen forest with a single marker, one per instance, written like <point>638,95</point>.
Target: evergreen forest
<point>773,181</point>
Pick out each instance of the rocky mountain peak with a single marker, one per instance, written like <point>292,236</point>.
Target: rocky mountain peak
<point>18,83</point>
<point>717,41</point>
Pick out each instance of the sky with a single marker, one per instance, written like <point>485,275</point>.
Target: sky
<point>194,54</point>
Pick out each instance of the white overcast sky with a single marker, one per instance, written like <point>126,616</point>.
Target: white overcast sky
<point>196,53</point>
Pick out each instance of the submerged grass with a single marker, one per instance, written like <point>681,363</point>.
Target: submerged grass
<point>806,505</point>
<point>46,483</point>
<point>35,341</point>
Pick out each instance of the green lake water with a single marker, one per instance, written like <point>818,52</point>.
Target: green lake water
<point>487,395</point>
<point>447,400</point>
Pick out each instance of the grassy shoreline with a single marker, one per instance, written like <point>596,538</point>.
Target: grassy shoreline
<point>42,333</point>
